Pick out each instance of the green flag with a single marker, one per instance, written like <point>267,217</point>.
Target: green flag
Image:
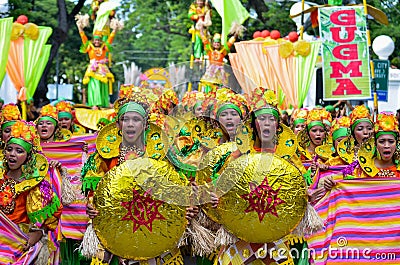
<point>335,2</point>
<point>102,15</point>
<point>230,11</point>
<point>5,42</point>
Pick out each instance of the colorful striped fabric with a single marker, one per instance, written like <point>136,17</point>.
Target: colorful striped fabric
<point>90,139</point>
<point>12,241</point>
<point>73,219</point>
<point>362,223</point>
<point>332,170</point>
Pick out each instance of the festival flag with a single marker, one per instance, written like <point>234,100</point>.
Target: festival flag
<point>230,11</point>
<point>345,53</point>
<point>362,223</point>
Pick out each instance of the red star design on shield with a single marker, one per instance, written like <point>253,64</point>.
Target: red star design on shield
<point>142,210</point>
<point>262,199</point>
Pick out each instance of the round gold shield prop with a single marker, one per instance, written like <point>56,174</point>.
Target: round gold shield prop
<point>132,222</point>
<point>265,202</point>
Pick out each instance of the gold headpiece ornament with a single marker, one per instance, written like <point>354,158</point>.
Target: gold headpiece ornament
<point>263,101</point>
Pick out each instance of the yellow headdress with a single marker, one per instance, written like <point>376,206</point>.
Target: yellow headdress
<point>360,114</point>
<point>340,127</point>
<point>9,114</point>
<point>64,109</point>
<point>386,123</point>
<point>263,101</point>
<point>24,134</point>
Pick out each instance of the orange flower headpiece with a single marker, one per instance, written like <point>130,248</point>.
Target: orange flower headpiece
<point>167,101</point>
<point>360,114</point>
<point>24,134</point>
<point>263,101</point>
<point>315,118</point>
<point>9,114</point>
<point>340,127</point>
<point>50,113</point>
<point>299,116</point>
<point>64,109</point>
<point>227,99</point>
<point>192,98</point>
<point>132,98</point>
<point>326,116</point>
<point>386,123</point>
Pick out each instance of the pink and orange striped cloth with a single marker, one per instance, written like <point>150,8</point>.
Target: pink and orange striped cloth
<point>362,223</point>
<point>70,154</point>
<point>12,241</point>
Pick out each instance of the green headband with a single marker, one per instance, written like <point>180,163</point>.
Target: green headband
<point>315,123</point>
<point>97,37</point>
<point>48,118</point>
<point>132,107</point>
<point>27,146</point>
<point>359,121</point>
<point>298,121</point>
<point>64,114</point>
<point>229,106</point>
<point>271,111</point>
<point>379,133</point>
<point>6,124</point>
<point>342,131</point>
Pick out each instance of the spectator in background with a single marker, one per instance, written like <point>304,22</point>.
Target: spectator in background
<point>1,103</point>
<point>285,117</point>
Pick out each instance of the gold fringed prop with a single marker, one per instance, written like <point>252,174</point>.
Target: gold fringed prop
<point>44,253</point>
<point>224,238</point>
<point>199,238</point>
<point>310,223</point>
<point>116,24</point>
<point>90,242</point>
<point>67,192</point>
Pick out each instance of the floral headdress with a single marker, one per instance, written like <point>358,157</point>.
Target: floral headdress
<point>326,117</point>
<point>192,98</point>
<point>24,134</point>
<point>386,123</point>
<point>315,118</point>
<point>263,101</point>
<point>136,99</point>
<point>166,102</point>
<point>227,99</point>
<point>50,113</point>
<point>9,115</point>
<point>64,109</point>
<point>299,116</point>
<point>360,114</point>
<point>340,127</point>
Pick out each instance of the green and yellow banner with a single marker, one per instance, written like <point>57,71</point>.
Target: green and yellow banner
<point>345,53</point>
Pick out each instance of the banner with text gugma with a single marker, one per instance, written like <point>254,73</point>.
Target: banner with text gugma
<point>346,67</point>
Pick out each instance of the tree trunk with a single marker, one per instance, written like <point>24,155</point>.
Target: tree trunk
<point>59,36</point>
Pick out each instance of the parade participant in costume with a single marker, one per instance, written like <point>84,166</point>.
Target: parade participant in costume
<point>313,136</point>
<point>128,138</point>
<point>49,130</point>
<point>10,114</point>
<point>230,111</point>
<point>267,135</point>
<point>339,131</point>
<point>361,130</point>
<point>66,118</point>
<point>200,14</point>
<point>299,118</point>
<point>192,101</point>
<point>98,76</point>
<point>28,200</point>
<point>378,156</point>
<point>215,75</point>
